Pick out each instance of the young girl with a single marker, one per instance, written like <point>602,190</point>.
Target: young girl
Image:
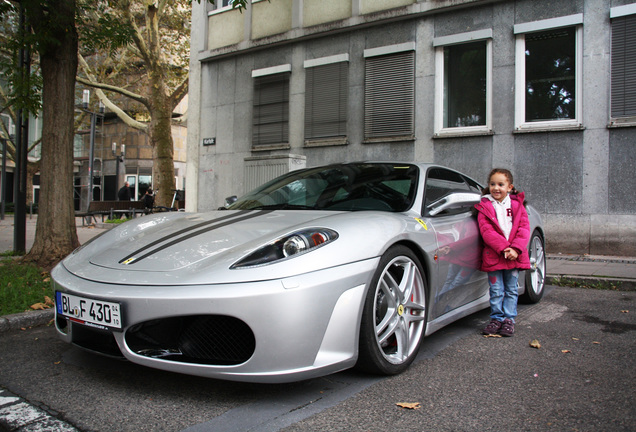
<point>504,227</point>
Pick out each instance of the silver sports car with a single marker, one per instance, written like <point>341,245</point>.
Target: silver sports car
<point>317,271</point>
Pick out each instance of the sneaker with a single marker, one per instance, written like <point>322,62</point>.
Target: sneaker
<point>507,328</point>
<point>492,327</point>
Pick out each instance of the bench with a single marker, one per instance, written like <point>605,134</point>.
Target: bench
<point>110,209</point>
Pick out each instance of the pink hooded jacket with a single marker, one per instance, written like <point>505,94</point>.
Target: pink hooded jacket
<point>495,242</point>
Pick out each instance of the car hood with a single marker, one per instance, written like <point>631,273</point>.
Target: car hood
<point>181,248</point>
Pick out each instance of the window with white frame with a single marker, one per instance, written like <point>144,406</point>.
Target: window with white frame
<point>271,106</point>
<point>463,83</point>
<point>623,64</point>
<point>389,92</point>
<point>218,6</point>
<point>326,89</point>
<point>548,74</point>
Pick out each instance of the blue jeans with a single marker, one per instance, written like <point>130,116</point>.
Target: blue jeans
<point>503,294</point>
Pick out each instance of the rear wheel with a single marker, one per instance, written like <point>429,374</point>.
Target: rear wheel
<point>394,315</point>
<point>535,277</point>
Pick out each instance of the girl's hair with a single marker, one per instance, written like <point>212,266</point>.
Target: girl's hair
<point>508,175</point>
<point>503,171</point>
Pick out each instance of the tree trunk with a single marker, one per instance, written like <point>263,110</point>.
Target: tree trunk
<point>56,234</point>
<point>32,170</point>
<point>160,132</point>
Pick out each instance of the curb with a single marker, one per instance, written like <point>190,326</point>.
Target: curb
<point>26,319</point>
<point>615,284</point>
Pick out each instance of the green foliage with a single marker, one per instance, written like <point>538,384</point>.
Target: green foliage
<point>99,30</point>
<point>23,90</point>
<point>22,286</point>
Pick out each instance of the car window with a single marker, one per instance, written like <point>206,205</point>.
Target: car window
<point>441,182</point>
<point>348,187</point>
<point>473,185</point>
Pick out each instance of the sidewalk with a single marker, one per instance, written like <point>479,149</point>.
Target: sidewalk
<point>84,233</point>
<point>594,270</point>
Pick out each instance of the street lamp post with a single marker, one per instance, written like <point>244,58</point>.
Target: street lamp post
<point>4,177</point>
<point>118,158</point>
<point>86,97</point>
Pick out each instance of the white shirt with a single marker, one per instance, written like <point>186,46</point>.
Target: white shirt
<point>504,213</point>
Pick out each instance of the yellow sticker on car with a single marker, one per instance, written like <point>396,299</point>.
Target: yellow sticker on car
<point>421,222</point>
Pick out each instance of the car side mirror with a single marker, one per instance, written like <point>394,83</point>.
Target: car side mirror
<point>453,200</point>
<point>230,200</point>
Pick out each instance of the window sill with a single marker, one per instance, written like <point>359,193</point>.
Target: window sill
<point>449,133</point>
<point>220,10</point>
<point>389,139</point>
<point>326,142</point>
<point>622,122</point>
<point>548,128</point>
<point>267,147</point>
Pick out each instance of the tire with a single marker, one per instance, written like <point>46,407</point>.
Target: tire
<point>394,316</point>
<point>535,277</point>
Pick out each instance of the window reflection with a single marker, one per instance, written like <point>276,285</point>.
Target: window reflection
<point>465,85</point>
<point>550,75</point>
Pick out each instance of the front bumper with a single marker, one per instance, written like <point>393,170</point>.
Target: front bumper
<point>303,326</point>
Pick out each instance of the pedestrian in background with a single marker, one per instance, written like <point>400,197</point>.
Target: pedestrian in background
<point>505,230</point>
<point>124,193</point>
<point>149,200</point>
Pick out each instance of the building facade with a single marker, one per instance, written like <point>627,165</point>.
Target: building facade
<point>546,88</point>
<point>121,154</point>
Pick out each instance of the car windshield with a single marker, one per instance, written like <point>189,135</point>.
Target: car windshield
<point>345,187</point>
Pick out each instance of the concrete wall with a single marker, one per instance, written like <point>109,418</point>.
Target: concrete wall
<point>323,11</point>
<point>581,180</point>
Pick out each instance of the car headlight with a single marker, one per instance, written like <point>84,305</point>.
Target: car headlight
<point>288,246</point>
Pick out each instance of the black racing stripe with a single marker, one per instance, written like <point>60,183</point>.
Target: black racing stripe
<point>197,233</point>
<point>178,233</point>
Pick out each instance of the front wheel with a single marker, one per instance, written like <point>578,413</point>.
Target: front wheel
<point>394,315</point>
<point>535,277</point>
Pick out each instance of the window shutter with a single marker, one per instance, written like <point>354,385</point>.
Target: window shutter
<point>623,93</point>
<point>326,89</point>
<point>389,95</point>
<point>271,109</point>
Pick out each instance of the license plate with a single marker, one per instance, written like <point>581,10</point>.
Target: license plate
<point>92,313</point>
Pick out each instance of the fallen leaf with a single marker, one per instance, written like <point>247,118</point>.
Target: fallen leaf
<point>625,311</point>
<point>409,405</point>
<point>57,362</point>
<point>535,344</point>
<point>566,351</point>
<point>493,335</point>
<point>48,301</point>
<point>596,343</point>
<point>39,306</point>
<point>575,338</point>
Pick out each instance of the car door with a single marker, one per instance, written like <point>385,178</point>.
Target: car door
<point>458,254</point>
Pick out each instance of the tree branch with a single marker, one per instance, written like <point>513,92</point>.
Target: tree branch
<point>111,106</point>
<point>179,93</point>
<point>108,87</point>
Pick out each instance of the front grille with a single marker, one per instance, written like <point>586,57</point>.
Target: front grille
<point>202,339</point>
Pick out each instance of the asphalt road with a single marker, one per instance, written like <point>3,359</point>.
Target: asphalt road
<point>580,379</point>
